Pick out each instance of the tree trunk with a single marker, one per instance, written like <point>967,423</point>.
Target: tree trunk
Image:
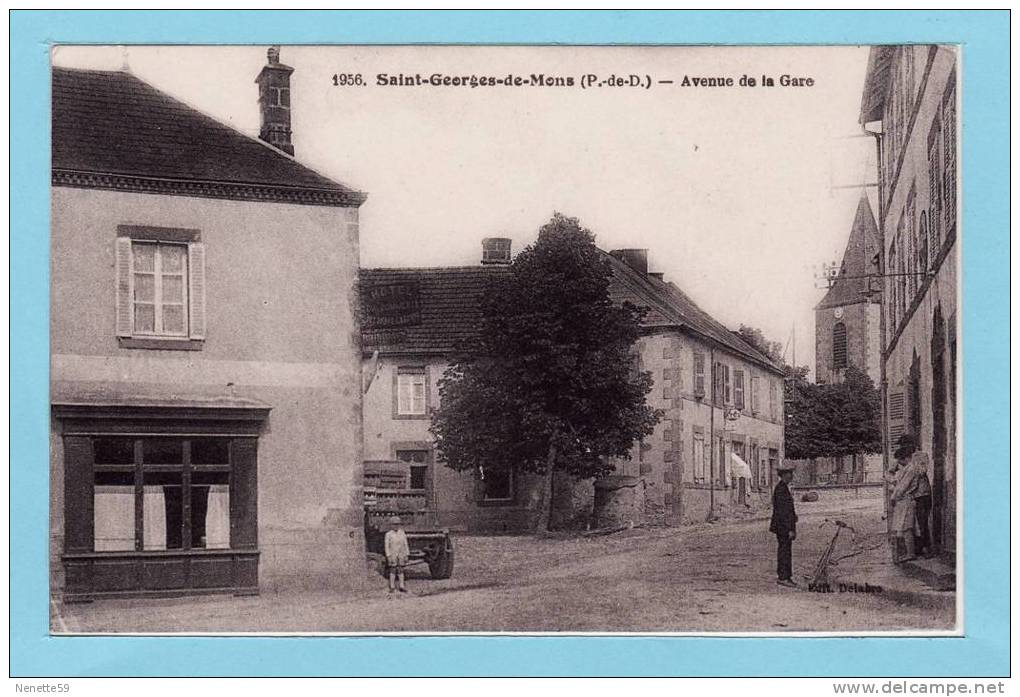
<point>542,525</point>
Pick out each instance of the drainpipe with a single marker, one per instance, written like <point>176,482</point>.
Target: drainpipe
<point>883,380</point>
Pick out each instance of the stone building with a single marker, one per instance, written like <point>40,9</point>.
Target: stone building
<point>413,317</point>
<point>847,331</point>
<point>910,104</point>
<point>205,366</point>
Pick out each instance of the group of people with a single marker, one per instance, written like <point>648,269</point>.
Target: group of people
<point>911,501</point>
<point>911,509</point>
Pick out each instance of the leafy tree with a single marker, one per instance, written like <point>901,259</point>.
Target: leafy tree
<point>549,383</point>
<point>833,420</point>
<point>757,340</point>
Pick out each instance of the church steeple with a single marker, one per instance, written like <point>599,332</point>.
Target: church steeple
<point>859,259</point>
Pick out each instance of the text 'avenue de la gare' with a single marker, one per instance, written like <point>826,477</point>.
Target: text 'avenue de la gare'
<point>586,81</point>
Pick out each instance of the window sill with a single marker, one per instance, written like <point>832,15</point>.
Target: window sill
<point>160,344</point>
<point>419,417</point>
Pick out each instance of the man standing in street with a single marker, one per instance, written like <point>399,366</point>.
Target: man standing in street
<point>784,525</point>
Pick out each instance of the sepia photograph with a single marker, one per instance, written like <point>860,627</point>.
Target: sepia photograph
<point>505,339</point>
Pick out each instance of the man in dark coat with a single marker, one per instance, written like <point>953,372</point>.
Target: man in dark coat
<point>784,525</point>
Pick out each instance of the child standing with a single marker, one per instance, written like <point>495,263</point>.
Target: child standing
<point>397,552</point>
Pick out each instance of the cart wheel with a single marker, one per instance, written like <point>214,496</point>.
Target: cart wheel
<point>442,566</point>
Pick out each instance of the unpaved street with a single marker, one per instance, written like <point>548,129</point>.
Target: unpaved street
<point>716,577</point>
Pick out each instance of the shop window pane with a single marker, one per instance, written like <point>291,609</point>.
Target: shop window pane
<point>210,451</point>
<point>114,451</point>
<point>162,511</point>
<point>210,510</point>
<point>114,511</point>
<point>163,451</point>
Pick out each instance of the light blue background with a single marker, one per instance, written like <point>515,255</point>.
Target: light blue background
<point>984,651</point>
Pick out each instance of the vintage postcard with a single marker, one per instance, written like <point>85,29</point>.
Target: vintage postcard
<point>506,340</point>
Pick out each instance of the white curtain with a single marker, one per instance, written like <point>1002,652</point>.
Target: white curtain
<point>154,515</point>
<point>217,517</point>
<point>114,517</point>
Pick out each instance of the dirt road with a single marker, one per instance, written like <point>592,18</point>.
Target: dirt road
<point>699,578</point>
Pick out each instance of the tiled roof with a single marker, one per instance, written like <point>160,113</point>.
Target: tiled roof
<point>850,286</point>
<point>668,306</point>
<point>428,310</point>
<point>114,123</point>
<point>421,310</point>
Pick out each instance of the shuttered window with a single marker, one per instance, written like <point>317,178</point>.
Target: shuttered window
<point>934,191</point>
<point>755,394</point>
<point>738,388</point>
<point>949,155</point>
<point>699,374</point>
<point>160,290</point>
<point>897,415</point>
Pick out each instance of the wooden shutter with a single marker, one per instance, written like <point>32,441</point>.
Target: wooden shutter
<point>124,304</point>
<point>755,394</point>
<point>897,415</point>
<point>244,494</point>
<point>196,290</point>
<point>699,374</point>
<point>949,155</point>
<point>78,494</point>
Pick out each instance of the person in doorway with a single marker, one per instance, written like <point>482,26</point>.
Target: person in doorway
<point>397,553</point>
<point>784,526</point>
<point>922,503</point>
<point>904,483</point>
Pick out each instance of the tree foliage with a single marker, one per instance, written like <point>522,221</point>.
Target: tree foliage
<point>550,379</point>
<point>832,420</point>
<point>755,337</point>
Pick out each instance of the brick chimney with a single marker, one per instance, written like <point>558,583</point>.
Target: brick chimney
<point>636,259</point>
<point>274,102</point>
<point>496,250</point>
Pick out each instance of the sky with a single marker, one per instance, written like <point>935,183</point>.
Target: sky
<point>739,193</point>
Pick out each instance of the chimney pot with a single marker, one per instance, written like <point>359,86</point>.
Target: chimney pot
<point>496,250</point>
<point>636,259</point>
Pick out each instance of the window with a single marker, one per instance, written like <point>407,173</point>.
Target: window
<point>839,352</point>
<point>723,387</point>
<point>699,457</point>
<point>738,388</point>
<point>935,206</point>
<point>161,494</point>
<point>913,263</point>
<point>411,389</point>
<point>891,282</point>
<point>772,400</point>
<point>418,462</point>
<point>755,396</point>
<point>699,374</point>
<point>949,155</point>
<point>497,484</point>
<point>160,288</point>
